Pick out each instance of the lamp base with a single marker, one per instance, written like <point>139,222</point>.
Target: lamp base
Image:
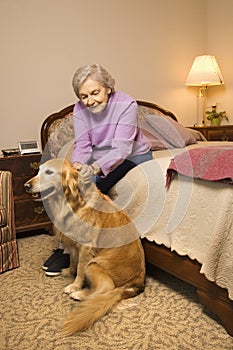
<point>200,109</point>
<point>200,119</point>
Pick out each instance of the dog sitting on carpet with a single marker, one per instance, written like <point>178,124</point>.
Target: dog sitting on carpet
<point>103,242</point>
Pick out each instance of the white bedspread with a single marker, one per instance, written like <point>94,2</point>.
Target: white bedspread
<point>193,217</point>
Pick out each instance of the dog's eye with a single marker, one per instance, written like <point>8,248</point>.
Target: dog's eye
<point>48,172</point>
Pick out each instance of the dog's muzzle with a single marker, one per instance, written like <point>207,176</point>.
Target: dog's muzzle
<point>28,189</point>
<point>38,195</point>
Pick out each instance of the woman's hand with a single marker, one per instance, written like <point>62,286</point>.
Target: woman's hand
<point>88,171</point>
<point>77,165</point>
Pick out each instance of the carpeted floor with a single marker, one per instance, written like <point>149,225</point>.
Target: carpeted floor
<point>166,316</point>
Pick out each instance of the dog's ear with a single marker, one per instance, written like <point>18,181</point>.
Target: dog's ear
<point>69,179</point>
<point>73,184</point>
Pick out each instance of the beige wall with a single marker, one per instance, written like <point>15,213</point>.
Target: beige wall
<point>148,46</point>
<point>219,42</point>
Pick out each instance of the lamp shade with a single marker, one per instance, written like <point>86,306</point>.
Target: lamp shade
<point>205,71</point>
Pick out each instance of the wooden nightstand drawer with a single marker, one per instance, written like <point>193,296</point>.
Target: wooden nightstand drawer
<point>18,188</point>
<point>28,213</point>
<point>220,135</point>
<point>216,133</point>
<point>20,166</point>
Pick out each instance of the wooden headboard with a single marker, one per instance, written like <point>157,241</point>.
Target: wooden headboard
<point>45,128</point>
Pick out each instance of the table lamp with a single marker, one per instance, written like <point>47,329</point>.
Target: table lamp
<point>204,72</point>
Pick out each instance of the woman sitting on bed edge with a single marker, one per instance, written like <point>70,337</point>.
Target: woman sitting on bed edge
<point>108,142</point>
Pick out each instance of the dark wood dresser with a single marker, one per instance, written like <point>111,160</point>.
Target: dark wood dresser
<point>29,214</point>
<point>216,133</point>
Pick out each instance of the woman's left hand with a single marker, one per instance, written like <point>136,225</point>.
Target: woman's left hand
<point>88,171</point>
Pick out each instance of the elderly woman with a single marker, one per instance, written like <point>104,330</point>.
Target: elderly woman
<point>108,142</point>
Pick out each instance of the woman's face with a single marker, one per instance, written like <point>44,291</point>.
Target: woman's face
<point>94,95</point>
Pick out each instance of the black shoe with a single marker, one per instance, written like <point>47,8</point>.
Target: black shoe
<point>62,262</point>
<point>56,255</point>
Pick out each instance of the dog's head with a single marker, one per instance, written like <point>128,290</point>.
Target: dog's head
<point>56,176</point>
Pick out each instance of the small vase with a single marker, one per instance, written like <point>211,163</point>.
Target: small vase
<point>215,122</point>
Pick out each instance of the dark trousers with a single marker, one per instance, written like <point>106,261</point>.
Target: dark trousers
<point>105,183</point>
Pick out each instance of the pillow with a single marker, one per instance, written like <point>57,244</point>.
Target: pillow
<point>170,131</point>
<point>157,142</point>
<point>197,134</point>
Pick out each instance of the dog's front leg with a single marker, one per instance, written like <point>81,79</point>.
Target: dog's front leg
<point>76,288</point>
<point>72,269</point>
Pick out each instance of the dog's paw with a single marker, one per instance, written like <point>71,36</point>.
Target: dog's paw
<point>67,272</point>
<point>78,295</point>
<point>71,288</point>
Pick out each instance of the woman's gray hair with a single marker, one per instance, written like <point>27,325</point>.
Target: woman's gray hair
<point>94,71</point>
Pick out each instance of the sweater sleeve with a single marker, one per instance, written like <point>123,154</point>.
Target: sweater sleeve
<point>107,139</point>
<point>123,141</point>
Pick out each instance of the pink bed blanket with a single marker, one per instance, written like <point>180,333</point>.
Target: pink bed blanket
<point>212,163</point>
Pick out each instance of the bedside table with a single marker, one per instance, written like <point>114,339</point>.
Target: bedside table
<point>29,215</point>
<point>216,133</point>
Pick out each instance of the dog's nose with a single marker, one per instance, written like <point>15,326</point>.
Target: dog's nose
<point>27,186</point>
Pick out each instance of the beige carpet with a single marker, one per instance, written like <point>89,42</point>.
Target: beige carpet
<point>166,316</point>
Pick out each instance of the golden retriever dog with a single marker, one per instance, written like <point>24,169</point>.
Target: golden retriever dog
<point>111,263</point>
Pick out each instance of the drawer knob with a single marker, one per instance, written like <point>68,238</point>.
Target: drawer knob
<point>34,165</point>
<point>224,138</point>
<point>39,210</point>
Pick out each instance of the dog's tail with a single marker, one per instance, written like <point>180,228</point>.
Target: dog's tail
<point>91,309</point>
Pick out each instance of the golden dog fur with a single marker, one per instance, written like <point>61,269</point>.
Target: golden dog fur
<point>108,269</point>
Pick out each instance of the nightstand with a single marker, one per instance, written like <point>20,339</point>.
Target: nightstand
<point>29,214</point>
<point>216,133</point>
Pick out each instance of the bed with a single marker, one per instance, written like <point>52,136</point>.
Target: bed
<point>187,226</point>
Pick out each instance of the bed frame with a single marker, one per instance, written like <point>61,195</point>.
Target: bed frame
<point>158,256</point>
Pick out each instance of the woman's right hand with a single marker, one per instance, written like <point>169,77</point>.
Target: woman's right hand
<point>77,165</point>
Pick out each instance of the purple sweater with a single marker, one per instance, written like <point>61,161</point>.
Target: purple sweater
<point>110,137</point>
